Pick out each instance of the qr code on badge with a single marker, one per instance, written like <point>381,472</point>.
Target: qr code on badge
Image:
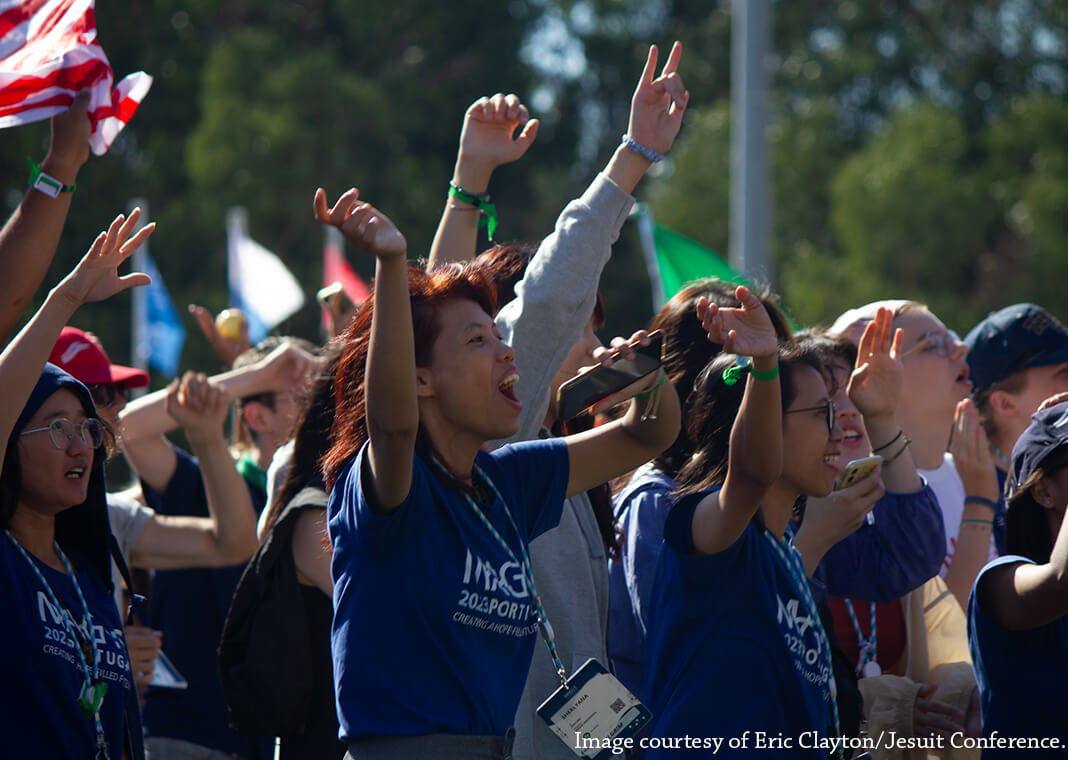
<point>617,706</point>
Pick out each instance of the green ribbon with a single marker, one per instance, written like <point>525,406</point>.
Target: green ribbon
<point>482,203</point>
<point>732,375</point>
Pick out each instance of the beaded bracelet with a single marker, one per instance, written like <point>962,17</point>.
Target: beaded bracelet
<point>631,144</point>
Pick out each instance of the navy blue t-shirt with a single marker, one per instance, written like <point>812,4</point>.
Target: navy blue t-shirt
<point>1021,676</point>
<point>433,626</point>
<point>189,607</point>
<point>42,673</point>
<point>730,646</point>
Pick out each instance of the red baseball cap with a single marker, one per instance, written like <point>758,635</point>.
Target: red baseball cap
<point>84,358</point>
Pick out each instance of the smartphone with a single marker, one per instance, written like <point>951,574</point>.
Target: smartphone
<point>166,676</point>
<point>857,470</point>
<point>583,391</point>
<point>324,295</point>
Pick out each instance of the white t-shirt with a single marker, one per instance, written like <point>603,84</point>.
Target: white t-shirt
<point>128,519</point>
<point>949,490</point>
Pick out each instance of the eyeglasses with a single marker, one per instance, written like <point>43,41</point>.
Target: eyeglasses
<point>827,407</point>
<point>943,343</point>
<point>61,432</point>
<point>105,394</point>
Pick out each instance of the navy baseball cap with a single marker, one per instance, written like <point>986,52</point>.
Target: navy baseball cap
<point>1017,337</point>
<point>1047,433</point>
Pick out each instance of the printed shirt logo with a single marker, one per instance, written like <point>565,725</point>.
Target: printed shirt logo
<point>495,598</point>
<point>73,350</point>
<point>801,634</point>
<point>59,642</point>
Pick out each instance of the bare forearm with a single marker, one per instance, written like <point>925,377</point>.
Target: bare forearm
<point>390,384</point>
<point>971,553</point>
<point>626,168</point>
<point>899,476</point>
<point>229,503</point>
<point>456,238</point>
<point>28,242</point>
<point>756,438</point>
<point>662,418</point>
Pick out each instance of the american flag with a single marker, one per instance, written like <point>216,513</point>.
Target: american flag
<point>48,54</point>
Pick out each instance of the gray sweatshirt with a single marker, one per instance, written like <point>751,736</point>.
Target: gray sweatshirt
<point>553,303</point>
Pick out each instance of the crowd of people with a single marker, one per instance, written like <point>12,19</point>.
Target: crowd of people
<point>419,511</point>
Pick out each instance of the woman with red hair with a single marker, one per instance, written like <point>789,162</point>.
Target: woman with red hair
<point>436,608</point>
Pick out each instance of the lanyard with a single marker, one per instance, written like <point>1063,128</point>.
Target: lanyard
<point>544,626</point>
<point>796,570</point>
<point>93,690</point>
<point>867,647</point>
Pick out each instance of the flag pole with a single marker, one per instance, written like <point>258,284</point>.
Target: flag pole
<point>644,218</point>
<point>139,345</point>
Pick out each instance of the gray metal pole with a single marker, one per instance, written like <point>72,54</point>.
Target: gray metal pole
<point>139,348</point>
<point>750,199</point>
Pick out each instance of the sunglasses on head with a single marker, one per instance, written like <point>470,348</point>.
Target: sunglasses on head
<point>827,407</point>
<point>106,394</point>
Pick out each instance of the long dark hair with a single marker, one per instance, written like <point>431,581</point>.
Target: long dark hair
<point>687,350</point>
<point>714,407</point>
<point>311,439</point>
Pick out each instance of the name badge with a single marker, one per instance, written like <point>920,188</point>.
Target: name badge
<point>594,712</point>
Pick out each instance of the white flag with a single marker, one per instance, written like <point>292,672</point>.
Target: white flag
<point>260,284</point>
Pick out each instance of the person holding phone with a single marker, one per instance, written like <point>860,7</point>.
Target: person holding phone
<point>735,642</point>
<point>551,323</point>
<point>436,608</point>
<point>69,685</point>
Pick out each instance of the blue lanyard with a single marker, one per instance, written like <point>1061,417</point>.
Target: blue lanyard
<point>866,646</point>
<point>93,689</point>
<point>796,570</point>
<point>544,626</point>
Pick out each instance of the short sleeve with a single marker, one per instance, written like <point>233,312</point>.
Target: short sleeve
<point>349,512</point>
<point>128,520</point>
<point>184,494</point>
<point>533,479</point>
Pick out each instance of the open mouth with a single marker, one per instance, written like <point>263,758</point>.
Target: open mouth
<point>831,460</point>
<point>851,438</point>
<point>507,387</point>
<point>75,473</point>
<point>963,376</point>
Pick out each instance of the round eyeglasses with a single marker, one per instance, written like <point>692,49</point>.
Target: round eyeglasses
<point>61,432</point>
<point>827,407</point>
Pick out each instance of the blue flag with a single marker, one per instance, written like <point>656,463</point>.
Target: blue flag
<point>163,329</point>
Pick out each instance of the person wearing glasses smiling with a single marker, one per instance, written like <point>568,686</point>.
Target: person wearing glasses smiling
<point>947,442</point>
<point>68,683</point>
<point>734,641</point>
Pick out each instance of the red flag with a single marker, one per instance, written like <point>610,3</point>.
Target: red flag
<point>337,269</point>
<point>48,54</point>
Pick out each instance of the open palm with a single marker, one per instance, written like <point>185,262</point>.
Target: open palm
<point>96,277</point>
<point>747,331</point>
<point>875,385</point>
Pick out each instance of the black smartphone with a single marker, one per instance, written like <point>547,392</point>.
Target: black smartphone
<point>583,391</point>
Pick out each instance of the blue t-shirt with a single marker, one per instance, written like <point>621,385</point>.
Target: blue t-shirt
<point>189,607</point>
<point>1021,676</point>
<point>730,645</point>
<point>640,510</point>
<point>433,627</point>
<point>43,674</point>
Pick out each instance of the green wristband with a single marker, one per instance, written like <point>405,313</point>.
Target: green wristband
<point>46,183</point>
<point>482,203</point>
<point>768,376</point>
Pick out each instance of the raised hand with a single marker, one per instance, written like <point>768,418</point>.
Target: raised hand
<point>367,228</point>
<point>658,104</point>
<point>971,453</point>
<point>287,367</point>
<point>489,138</point>
<point>198,406</point>
<point>227,350</point>
<point>96,276</point>
<point>746,331</point>
<point>875,385</point>
<point>69,146</point>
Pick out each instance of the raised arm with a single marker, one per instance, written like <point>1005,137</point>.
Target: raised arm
<point>1023,596</point>
<point>94,278</point>
<point>755,458</point>
<point>559,287</point>
<point>389,382</point>
<point>29,238</point>
<point>974,463</point>
<point>488,140</point>
<point>649,426</point>
<point>228,536</point>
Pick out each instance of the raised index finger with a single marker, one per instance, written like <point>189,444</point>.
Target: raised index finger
<point>650,67</point>
<point>672,64</point>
